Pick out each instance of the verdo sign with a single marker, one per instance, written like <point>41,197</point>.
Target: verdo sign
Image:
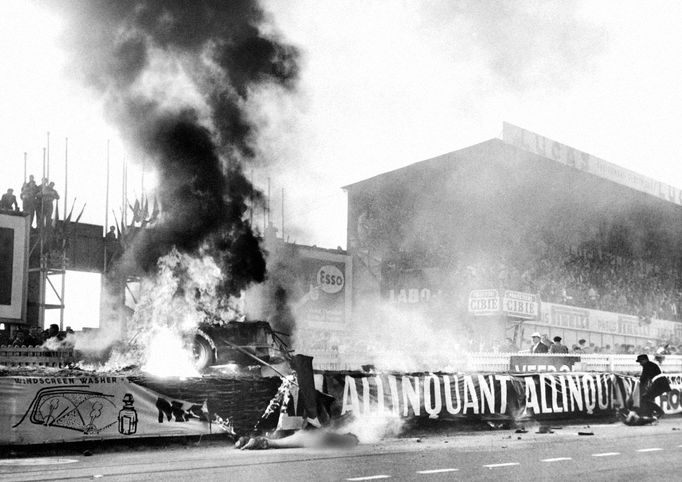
<point>330,279</point>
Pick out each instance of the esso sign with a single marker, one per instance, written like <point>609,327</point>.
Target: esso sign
<point>330,279</point>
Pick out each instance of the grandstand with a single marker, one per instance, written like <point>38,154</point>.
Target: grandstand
<point>599,244</point>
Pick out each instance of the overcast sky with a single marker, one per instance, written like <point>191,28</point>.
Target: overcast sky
<point>383,84</point>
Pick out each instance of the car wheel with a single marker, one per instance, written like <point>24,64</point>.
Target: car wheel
<point>203,353</point>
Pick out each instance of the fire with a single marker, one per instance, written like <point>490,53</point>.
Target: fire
<point>170,310</point>
<point>168,356</point>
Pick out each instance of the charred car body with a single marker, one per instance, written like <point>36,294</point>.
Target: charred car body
<point>239,342</point>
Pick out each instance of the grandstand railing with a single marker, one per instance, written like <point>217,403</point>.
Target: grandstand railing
<point>34,356</point>
<point>501,363</point>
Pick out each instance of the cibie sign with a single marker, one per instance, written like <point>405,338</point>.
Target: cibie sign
<point>522,305</point>
<point>513,303</point>
<point>484,302</point>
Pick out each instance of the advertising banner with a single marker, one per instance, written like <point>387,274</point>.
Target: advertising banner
<point>326,278</point>
<point>44,409</point>
<point>670,402</point>
<point>14,238</point>
<point>584,319</point>
<point>539,363</point>
<point>512,303</point>
<point>521,305</point>
<point>477,396</point>
<point>537,144</point>
<point>484,302</point>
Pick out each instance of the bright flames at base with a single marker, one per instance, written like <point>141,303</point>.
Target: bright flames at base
<point>167,356</point>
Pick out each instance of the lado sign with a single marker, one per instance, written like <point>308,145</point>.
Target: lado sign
<point>330,279</point>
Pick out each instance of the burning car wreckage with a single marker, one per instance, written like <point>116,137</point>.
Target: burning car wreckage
<point>198,249</point>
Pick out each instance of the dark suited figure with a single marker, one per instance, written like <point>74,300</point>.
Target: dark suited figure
<point>28,197</point>
<point>557,347</point>
<point>538,346</point>
<point>8,202</point>
<point>649,388</point>
<point>49,197</point>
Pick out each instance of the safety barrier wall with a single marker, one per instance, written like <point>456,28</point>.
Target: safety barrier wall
<point>502,363</point>
<point>34,356</point>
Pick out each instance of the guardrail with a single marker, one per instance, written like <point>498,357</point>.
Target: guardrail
<point>501,362</point>
<point>34,356</point>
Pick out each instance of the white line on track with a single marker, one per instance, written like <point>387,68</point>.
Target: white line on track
<point>508,464</point>
<point>606,454</point>
<point>557,459</point>
<point>371,477</point>
<point>653,449</point>
<point>436,471</point>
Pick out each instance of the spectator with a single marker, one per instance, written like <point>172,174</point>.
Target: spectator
<point>8,202</point>
<point>49,196</point>
<point>19,339</point>
<point>580,348</point>
<point>557,347</point>
<point>28,197</point>
<point>537,346</point>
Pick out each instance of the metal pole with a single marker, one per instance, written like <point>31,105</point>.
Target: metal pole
<point>124,211</point>
<point>251,199</point>
<point>48,154</point>
<point>106,210</point>
<point>25,155</point>
<point>282,214</point>
<point>106,200</point>
<point>66,193</point>
<point>66,175</point>
<point>268,203</point>
<point>44,165</point>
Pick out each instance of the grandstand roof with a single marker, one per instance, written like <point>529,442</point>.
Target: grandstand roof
<point>547,149</point>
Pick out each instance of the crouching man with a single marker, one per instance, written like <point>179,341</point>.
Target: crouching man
<point>651,385</point>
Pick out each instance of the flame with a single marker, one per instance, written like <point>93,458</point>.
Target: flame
<point>168,356</point>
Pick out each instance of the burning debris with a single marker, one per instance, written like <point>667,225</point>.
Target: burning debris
<point>180,79</point>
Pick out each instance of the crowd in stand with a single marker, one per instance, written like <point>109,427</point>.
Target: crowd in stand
<point>36,336</point>
<point>588,278</point>
<point>37,200</point>
<point>555,345</point>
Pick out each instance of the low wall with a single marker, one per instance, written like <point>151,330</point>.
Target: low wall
<point>47,409</point>
<point>490,396</point>
<point>69,408</point>
<point>507,362</point>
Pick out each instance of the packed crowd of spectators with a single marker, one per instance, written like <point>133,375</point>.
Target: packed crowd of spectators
<point>588,277</point>
<point>36,336</point>
<point>37,200</point>
<point>661,347</point>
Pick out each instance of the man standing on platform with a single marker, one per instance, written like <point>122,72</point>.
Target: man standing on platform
<point>537,346</point>
<point>28,197</point>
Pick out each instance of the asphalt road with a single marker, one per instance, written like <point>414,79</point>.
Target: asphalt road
<point>614,452</point>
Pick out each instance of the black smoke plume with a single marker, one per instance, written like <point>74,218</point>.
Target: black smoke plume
<point>223,52</point>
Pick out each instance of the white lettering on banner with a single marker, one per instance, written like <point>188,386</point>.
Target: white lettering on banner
<point>537,144</point>
<point>330,279</point>
<point>483,302</point>
<point>436,395</point>
<point>596,321</point>
<point>671,402</point>
<point>413,295</point>
<point>67,381</point>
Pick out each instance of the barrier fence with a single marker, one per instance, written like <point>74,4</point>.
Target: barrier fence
<point>29,356</point>
<point>511,362</point>
<point>34,356</point>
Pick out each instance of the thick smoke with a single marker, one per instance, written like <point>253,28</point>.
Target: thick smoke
<point>177,78</point>
<point>524,44</point>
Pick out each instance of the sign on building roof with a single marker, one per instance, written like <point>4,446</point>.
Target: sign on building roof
<point>537,144</point>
